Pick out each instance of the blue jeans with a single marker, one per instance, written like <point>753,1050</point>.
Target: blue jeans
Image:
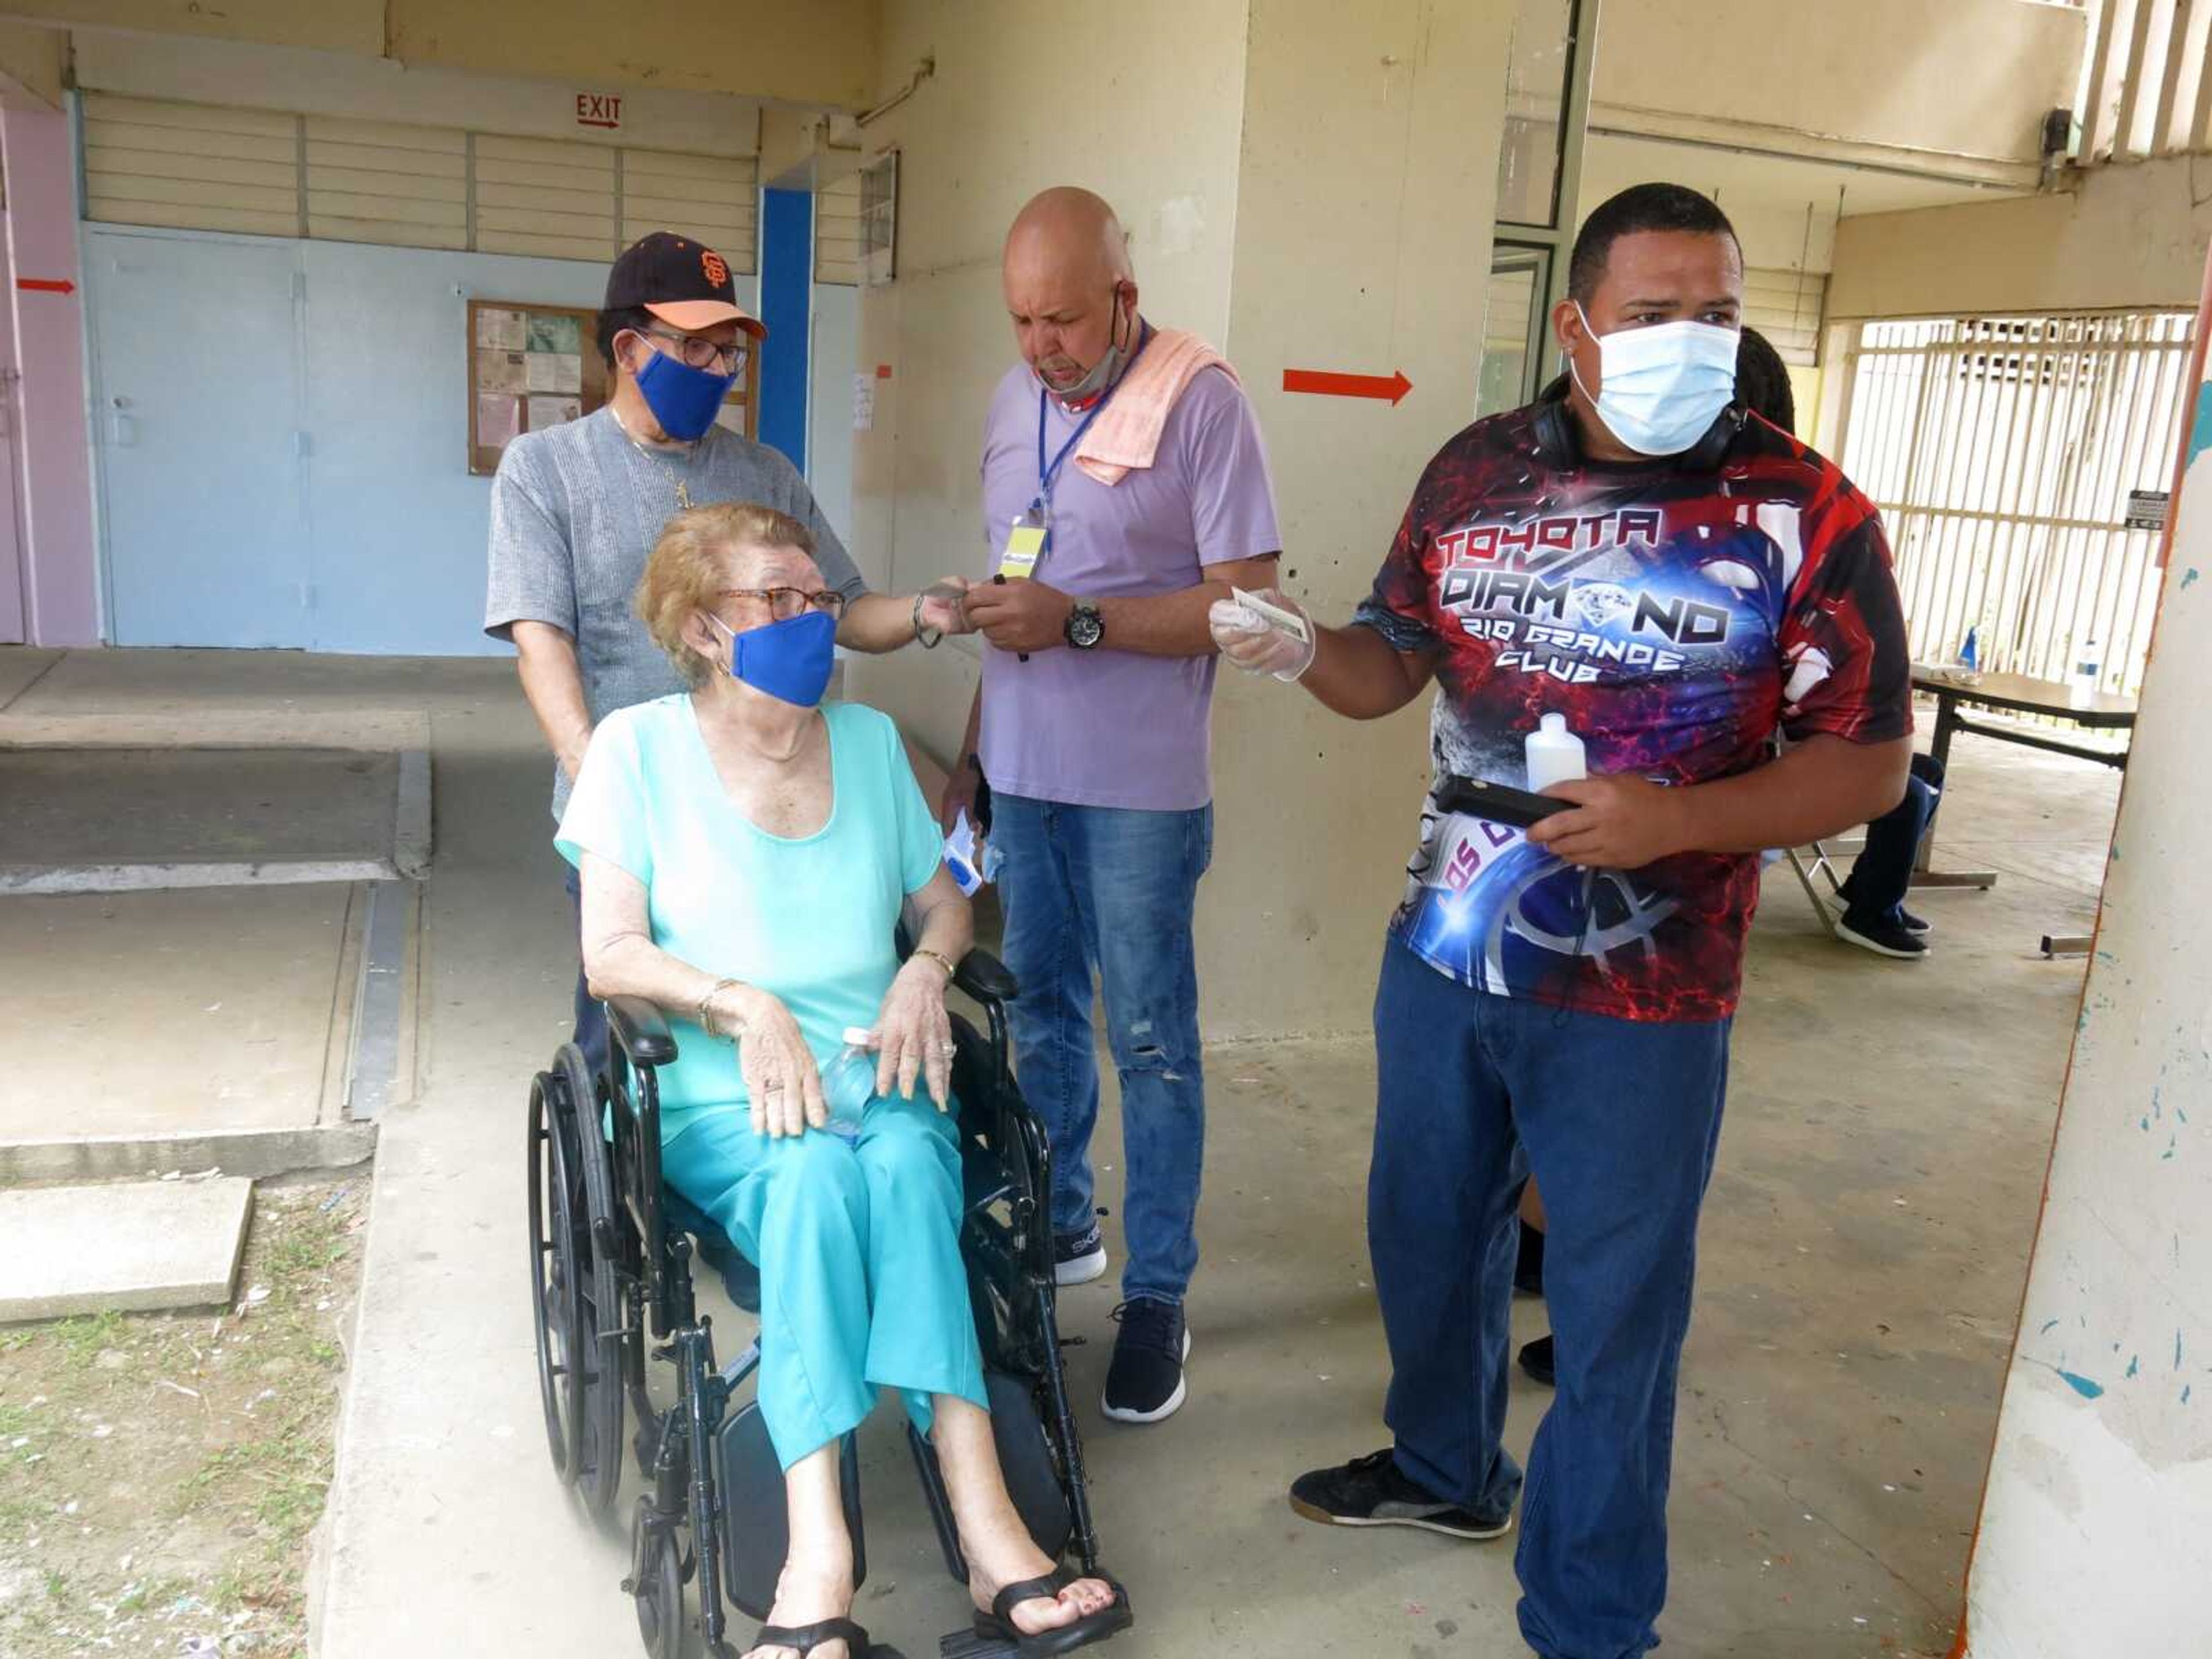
<point>590,1032</point>
<point>1113,890</point>
<point>1618,1121</point>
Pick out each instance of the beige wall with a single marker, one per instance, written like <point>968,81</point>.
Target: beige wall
<point>1965,78</point>
<point>368,88</point>
<point>334,25</point>
<point>2129,236</point>
<point>822,51</point>
<point>33,62</point>
<point>1344,157</point>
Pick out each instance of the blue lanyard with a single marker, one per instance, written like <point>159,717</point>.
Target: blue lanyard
<point>1047,474</point>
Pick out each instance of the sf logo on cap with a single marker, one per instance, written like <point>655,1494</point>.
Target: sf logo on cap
<point>711,262</point>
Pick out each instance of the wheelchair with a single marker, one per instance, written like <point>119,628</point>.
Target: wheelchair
<point>611,1258</point>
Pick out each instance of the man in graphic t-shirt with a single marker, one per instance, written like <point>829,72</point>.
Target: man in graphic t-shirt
<point>1677,578</point>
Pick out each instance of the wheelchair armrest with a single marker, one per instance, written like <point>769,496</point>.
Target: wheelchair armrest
<point>985,978</point>
<point>642,1031</point>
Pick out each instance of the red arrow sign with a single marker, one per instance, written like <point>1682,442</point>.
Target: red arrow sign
<point>45,285</point>
<point>1329,385</point>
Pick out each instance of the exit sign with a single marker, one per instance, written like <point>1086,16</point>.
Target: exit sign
<point>598,109</point>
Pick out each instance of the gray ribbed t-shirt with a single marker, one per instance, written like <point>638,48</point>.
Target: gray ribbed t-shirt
<point>574,512</point>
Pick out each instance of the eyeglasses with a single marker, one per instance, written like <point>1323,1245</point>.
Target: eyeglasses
<point>785,603</point>
<point>697,351</point>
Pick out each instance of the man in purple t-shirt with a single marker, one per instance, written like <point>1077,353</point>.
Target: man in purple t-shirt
<point>1091,729</point>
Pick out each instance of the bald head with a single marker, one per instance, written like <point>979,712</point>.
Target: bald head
<point>1074,229</point>
<point>1070,289</point>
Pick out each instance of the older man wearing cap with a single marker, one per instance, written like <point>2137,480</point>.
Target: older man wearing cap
<point>576,508</point>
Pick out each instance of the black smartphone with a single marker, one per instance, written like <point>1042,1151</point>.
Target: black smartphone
<point>1500,803</point>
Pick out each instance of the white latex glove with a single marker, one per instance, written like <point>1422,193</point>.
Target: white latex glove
<point>1245,638</point>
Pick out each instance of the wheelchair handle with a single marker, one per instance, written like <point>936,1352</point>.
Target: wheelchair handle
<point>642,1031</point>
<point>984,977</point>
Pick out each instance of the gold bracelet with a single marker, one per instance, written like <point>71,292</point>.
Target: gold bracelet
<point>939,958</point>
<point>705,1005</point>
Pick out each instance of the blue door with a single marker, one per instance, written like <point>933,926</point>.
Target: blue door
<point>196,385</point>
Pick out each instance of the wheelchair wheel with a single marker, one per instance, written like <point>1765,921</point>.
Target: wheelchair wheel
<point>602,1327</point>
<point>558,1244</point>
<point>658,1594</point>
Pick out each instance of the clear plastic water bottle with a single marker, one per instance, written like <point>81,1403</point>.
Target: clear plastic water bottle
<point>2088,671</point>
<point>848,1082</point>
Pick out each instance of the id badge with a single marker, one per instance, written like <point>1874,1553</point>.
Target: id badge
<point>1025,546</point>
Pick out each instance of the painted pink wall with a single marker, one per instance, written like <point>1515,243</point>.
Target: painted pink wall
<point>11,564</point>
<point>61,596</point>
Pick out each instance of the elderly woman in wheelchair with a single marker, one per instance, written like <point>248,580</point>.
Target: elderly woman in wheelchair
<point>747,857</point>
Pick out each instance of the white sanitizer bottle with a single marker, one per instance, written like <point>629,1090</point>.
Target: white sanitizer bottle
<point>1555,755</point>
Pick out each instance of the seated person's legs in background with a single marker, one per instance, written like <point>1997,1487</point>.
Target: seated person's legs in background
<point>1537,1356</point>
<point>1874,916</point>
<point>862,1287</point>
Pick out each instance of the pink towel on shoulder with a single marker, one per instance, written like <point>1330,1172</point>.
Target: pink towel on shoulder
<point>1126,436</point>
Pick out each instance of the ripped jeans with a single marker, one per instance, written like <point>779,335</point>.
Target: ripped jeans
<point>1112,890</point>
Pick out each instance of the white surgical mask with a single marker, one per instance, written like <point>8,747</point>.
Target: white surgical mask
<point>1662,387</point>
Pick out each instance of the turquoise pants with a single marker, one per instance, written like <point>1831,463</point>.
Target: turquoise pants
<point>858,1245</point>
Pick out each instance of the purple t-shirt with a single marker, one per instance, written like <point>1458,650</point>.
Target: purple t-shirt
<point>1107,727</point>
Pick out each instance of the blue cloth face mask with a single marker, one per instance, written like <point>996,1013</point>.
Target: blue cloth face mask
<point>1662,387</point>
<point>683,399</point>
<point>791,659</point>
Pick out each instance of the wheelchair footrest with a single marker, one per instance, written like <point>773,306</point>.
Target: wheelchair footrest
<point>973,1644</point>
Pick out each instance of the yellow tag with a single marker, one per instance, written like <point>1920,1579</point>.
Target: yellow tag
<point>1025,546</point>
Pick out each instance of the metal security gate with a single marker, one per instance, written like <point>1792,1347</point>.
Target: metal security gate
<point>2021,464</point>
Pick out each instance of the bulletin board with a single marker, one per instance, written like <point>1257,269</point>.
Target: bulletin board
<point>530,366</point>
<point>534,365</point>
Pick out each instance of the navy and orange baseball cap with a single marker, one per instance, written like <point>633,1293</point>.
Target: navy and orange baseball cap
<point>681,281</point>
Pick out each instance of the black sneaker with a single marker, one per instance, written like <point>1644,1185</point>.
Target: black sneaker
<point>1528,1265</point>
<point>1883,935</point>
<point>1536,1360</point>
<point>1144,1382</point>
<point>1912,924</point>
<point>1078,1258</point>
<point>1370,1492</point>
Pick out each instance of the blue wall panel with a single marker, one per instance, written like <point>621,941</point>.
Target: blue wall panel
<point>787,291</point>
<point>392,528</point>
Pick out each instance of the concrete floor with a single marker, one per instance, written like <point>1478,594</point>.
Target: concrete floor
<point>170,1013</point>
<point>1862,1258</point>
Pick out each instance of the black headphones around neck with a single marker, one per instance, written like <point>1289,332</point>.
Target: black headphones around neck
<point>1559,445</point>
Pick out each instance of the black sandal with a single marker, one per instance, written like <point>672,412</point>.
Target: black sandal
<point>804,1638</point>
<point>997,1625</point>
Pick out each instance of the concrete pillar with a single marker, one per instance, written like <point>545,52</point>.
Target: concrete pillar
<point>2096,1529</point>
<point>1365,199</point>
<point>45,315</point>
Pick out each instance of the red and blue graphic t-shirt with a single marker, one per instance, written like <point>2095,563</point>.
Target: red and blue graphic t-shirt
<point>1676,618</point>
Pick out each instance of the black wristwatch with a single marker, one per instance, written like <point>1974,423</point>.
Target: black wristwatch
<point>1086,627</point>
